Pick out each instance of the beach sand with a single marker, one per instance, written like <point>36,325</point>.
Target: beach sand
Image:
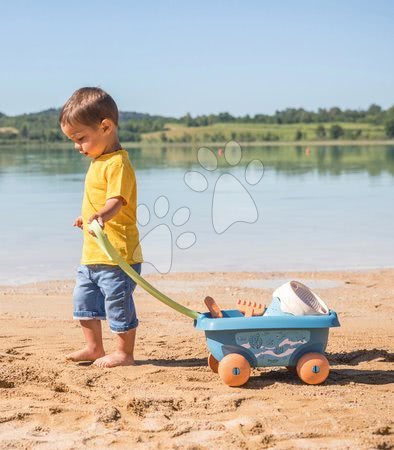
<point>171,399</point>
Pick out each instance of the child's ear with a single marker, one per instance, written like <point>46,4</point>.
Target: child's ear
<point>107,126</point>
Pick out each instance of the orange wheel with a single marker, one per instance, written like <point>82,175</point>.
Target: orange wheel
<point>213,363</point>
<point>313,368</point>
<point>234,369</point>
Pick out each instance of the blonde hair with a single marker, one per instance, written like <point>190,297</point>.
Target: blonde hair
<point>89,106</point>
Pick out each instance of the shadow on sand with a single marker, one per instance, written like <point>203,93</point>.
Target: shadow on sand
<point>338,376</point>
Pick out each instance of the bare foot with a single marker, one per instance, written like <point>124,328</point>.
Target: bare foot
<point>86,354</point>
<point>117,358</point>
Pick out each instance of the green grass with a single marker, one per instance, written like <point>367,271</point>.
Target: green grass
<point>247,134</point>
<point>282,133</point>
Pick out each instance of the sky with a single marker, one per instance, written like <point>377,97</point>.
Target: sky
<point>173,57</point>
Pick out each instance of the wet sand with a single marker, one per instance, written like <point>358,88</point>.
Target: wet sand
<point>172,399</point>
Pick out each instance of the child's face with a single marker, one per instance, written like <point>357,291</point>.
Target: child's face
<point>89,141</point>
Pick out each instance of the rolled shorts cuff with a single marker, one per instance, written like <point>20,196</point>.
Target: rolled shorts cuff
<point>119,330</point>
<point>87,315</point>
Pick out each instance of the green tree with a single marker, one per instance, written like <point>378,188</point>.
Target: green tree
<point>321,131</point>
<point>298,136</point>
<point>389,128</point>
<point>25,131</point>
<point>374,109</point>
<point>225,117</point>
<point>188,120</point>
<point>336,131</point>
<point>54,135</point>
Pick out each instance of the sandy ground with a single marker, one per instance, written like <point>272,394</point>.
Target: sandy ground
<point>172,399</point>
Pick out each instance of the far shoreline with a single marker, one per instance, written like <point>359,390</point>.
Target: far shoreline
<point>328,143</point>
<point>330,272</point>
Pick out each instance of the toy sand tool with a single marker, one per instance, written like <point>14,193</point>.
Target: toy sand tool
<point>114,256</point>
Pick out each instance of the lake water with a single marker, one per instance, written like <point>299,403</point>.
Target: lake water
<point>318,208</point>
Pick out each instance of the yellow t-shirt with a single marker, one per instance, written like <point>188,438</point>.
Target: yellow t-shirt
<point>111,175</point>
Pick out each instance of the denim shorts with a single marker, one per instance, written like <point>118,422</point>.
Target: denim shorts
<point>105,292</point>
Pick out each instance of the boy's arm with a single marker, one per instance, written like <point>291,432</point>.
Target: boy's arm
<point>111,208</point>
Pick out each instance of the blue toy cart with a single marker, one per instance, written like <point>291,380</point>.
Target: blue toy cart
<point>237,343</point>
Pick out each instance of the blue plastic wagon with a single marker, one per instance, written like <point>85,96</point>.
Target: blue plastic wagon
<point>238,343</point>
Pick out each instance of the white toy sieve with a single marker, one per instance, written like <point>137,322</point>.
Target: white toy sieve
<point>299,300</point>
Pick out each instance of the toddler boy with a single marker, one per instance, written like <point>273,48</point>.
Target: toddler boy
<point>103,291</point>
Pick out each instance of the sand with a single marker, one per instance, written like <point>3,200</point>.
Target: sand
<point>172,399</point>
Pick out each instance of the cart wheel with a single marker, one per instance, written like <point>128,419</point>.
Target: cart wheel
<point>234,369</point>
<point>213,363</point>
<point>313,368</point>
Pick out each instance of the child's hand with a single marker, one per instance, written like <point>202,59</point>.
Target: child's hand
<point>110,209</point>
<point>78,222</point>
<point>99,219</point>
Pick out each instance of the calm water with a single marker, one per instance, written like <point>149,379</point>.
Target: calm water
<point>324,208</point>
